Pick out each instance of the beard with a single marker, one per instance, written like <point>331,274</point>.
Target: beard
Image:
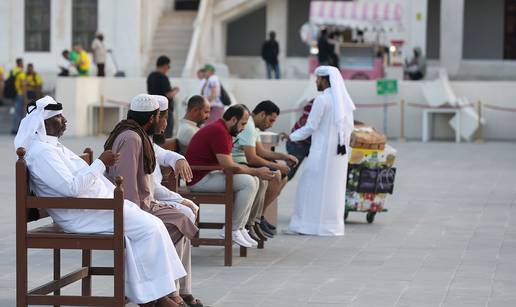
<point>159,138</point>
<point>233,130</point>
<point>152,129</point>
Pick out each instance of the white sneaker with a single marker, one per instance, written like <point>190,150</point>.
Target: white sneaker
<point>239,239</point>
<point>248,238</point>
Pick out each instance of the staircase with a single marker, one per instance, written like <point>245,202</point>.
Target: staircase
<point>172,38</point>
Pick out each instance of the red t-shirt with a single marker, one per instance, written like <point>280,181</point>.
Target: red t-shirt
<point>209,141</point>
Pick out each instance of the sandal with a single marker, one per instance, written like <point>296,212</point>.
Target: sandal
<point>192,301</point>
<point>179,301</point>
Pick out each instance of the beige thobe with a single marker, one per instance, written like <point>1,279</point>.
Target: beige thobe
<point>138,186</point>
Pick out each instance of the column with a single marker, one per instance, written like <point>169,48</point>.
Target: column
<point>452,21</point>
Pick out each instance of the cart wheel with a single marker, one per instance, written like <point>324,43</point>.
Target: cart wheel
<point>370,217</point>
<point>346,213</point>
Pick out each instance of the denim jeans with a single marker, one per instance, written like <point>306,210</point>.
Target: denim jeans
<point>300,151</point>
<point>270,67</point>
<point>18,112</point>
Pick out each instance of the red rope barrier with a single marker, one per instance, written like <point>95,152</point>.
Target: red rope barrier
<point>359,106</point>
<point>427,106</point>
<point>376,105</point>
<point>498,108</point>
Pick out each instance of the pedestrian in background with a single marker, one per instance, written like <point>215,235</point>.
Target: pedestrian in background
<point>270,52</point>
<point>99,54</point>
<point>159,84</point>
<point>34,84</point>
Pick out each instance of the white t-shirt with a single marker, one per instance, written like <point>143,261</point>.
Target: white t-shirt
<point>213,83</point>
<point>99,51</point>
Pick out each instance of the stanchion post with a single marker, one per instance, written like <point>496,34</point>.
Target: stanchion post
<point>101,115</point>
<point>480,131</point>
<point>401,139</point>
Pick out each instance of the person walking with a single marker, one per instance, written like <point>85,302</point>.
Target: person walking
<point>34,84</point>
<point>99,54</point>
<point>270,52</point>
<point>159,84</point>
<point>212,91</point>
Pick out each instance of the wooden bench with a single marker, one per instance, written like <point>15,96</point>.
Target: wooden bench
<point>223,198</point>
<point>30,208</point>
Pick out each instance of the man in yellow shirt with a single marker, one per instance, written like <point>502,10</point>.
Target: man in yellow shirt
<point>34,83</point>
<point>82,63</point>
<point>20,85</point>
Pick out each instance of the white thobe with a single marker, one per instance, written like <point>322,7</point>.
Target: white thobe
<point>320,197</point>
<point>161,193</point>
<point>151,261</point>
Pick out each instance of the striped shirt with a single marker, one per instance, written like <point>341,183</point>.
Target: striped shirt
<point>302,120</point>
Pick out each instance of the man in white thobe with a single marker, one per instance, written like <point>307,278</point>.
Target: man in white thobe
<point>163,195</point>
<point>151,262</point>
<point>320,198</point>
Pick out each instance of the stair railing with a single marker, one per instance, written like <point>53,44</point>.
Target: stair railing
<point>201,28</point>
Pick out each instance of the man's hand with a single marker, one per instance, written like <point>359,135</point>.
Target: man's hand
<point>284,169</point>
<point>109,158</point>
<point>283,136</point>
<point>183,170</point>
<point>190,204</point>
<point>264,173</point>
<point>175,90</point>
<point>292,161</point>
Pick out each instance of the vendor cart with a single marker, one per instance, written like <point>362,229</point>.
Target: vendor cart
<point>371,173</point>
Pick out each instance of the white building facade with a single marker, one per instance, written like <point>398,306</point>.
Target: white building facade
<point>230,32</point>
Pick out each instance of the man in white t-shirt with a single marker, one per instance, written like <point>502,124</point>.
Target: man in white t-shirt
<point>197,112</point>
<point>211,90</point>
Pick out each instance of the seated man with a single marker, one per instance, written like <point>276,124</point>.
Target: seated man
<point>177,162</point>
<point>132,139</point>
<point>164,196</point>
<point>197,112</point>
<point>152,263</point>
<point>212,146</point>
<point>248,149</point>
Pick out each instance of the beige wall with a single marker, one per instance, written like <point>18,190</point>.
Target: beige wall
<point>76,94</point>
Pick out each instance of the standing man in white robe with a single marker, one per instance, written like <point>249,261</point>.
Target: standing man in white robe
<point>320,198</point>
<point>151,262</point>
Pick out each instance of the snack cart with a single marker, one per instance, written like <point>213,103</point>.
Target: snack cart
<point>371,172</point>
<point>363,31</point>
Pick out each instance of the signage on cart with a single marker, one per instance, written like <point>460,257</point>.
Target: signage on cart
<point>386,87</point>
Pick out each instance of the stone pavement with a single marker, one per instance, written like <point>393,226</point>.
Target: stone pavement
<point>449,239</point>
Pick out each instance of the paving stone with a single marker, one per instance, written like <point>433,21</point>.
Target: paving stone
<point>449,239</point>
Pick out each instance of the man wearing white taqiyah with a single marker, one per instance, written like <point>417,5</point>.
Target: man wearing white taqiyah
<point>320,198</point>
<point>163,195</point>
<point>151,262</point>
<point>178,163</point>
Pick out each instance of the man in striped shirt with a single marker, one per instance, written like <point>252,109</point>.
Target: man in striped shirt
<point>299,149</point>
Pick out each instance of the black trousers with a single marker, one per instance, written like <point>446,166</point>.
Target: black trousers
<point>100,70</point>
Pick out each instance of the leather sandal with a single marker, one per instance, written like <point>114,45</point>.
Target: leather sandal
<point>192,301</point>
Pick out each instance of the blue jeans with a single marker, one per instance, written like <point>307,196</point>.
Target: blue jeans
<point>270,67</point>
<point>18,112</point>
<point>300,151</point>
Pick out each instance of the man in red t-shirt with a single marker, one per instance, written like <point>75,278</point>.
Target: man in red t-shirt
<point>212,145</point>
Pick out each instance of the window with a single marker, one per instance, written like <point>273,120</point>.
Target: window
<point>84,22</point>
<point>37,25</point>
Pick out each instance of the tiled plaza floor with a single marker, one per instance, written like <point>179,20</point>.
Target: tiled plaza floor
<point>449,239</point>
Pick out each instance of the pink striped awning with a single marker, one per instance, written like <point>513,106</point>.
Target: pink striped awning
<point>358,13</point>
